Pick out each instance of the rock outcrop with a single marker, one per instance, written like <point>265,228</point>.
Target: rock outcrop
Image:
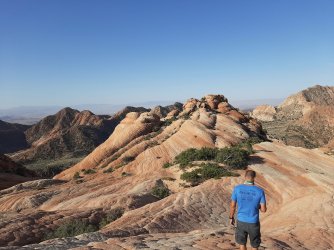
<point>305,119</point>
<point>264,113</point>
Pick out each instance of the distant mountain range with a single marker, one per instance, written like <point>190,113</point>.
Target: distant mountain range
<point>32,114</point>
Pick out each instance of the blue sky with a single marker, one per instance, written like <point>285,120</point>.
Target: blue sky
<point>55,52</point>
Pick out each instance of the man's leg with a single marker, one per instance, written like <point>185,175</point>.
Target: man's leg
<point>243,247</point>
<point>255,235</point>
<point>241,235</point>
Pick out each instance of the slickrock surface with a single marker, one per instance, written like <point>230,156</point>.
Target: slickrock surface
<point>298,183</point>
<point>305,119</point>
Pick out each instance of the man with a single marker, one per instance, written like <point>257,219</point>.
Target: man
<point>250,200</point>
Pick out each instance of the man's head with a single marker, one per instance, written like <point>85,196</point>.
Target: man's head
<point>250,175</point>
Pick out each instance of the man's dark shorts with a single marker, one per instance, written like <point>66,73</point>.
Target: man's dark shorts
<point>244,229</point>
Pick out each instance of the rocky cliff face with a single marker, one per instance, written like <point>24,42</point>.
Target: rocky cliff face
<point>305,119</point>
<point>123,171</point>
<point>12,137</point>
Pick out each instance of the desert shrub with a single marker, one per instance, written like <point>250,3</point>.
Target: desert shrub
<point>206,154</point>
<point>186,157</point>
<point>147,137</point>
<point>109,170</point>
<point>168,122</point>
<point>119,165</point>
<point>185,116</point>
<point>104,165</point>
<point>160,191</point>
<point>193,177</point>
<point>76,176</point>
<point>128,159</point>
<point>89,171</point>
<point>168,179</point>
<point>152,144</point>
<point>157,129</point>
<point>115,157</point>
<point>248,143</point>
<point>192,154</point>
<point>71,228</point>
<point>124,174</point>
<point>167,165</point>
<point>204,172</point>
<point>111,216</point>
<point>50,171</point>
<point>234,157</point>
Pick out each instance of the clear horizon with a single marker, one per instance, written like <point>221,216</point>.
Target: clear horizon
<point>66,53</point>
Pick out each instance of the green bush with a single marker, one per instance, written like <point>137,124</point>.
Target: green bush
<point>111,216</point>
<point>76,176</point>
<point>192,154</point>
<point>234,157</point>
<point>193,177</point>
<point>128,159</point>
<point>204,172</point>
<point>160,191</point>
<point>248,143</point>
<point>89,171</point>
<point>186,116</point>
<point>71,228</point>
<point>186,157</point>
<point>109,170</point>
<point>124,174</point>
<point>168,122</point>
<point>115,157</point>
<point>167,165</point>
<point>152,144</point>
<point>168,179</point>
<point>50,171</point>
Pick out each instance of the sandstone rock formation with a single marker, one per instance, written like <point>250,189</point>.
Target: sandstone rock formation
<point>305,119</point>
<point>122,171</point>
<point>264,113</point>
<point>12,137</point>
<point>167,111</point>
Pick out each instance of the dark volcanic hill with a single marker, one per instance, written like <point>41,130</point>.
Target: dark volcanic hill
<point>12,137</point>
<point>304,119</point>
<point>69,133</point>
<point>12,173</point>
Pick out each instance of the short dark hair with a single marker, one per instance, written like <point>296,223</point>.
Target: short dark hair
<point>250,173</point>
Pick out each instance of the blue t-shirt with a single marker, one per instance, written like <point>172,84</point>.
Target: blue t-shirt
<point>248,198</point>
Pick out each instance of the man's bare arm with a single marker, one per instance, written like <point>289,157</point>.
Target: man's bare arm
<point>233,207</point>
<point>263,207</point>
